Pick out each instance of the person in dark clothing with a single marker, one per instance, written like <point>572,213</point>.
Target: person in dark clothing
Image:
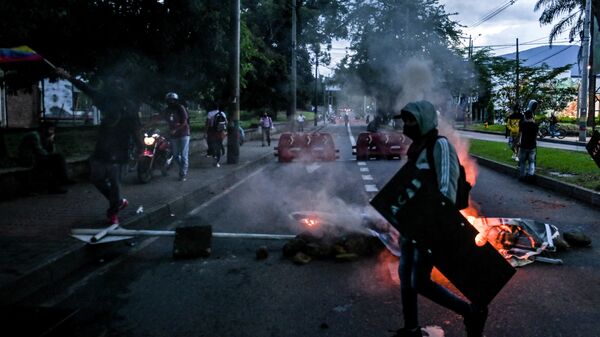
<point>416,265</point>
<point>528,131</point>
<point>512,130</point>
<point>552,127</point>
<point>37,150</point>
<point>119,126</point>
<point>216,131</point>
<point>178,118</point>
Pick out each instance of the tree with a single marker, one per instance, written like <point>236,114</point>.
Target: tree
<point>386,34</point>
<point>569,15</point>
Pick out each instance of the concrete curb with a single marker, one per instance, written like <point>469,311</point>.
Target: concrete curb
<point>67,261</point>
<point>582,194</point>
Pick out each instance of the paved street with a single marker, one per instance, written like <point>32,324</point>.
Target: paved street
<point>140,290</point>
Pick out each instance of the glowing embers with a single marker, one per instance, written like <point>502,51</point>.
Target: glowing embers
<point>310,222</point>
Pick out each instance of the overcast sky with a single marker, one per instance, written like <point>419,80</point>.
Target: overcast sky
<point>518,20</point>
<point>500,31</point>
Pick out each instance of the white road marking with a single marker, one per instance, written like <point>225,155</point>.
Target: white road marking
<point>371,188</point>
<point>364,169</point>
<point>367,177</point>
<point>361,163</point>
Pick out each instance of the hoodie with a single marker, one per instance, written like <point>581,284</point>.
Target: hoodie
<point>444,155</point>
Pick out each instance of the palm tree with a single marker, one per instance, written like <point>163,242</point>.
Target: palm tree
<point>570,16</point>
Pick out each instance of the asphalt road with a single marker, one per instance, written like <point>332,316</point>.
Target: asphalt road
<point>142,291</point>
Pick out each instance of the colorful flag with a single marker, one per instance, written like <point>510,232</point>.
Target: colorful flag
<point>19,54</point>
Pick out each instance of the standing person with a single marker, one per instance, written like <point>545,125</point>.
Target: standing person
<point>300,120</point>
<point>527,151</point>
<point>512,130</point>
<point>37,150</point>
<point>179,125</point>
<point>119,126</point>
<point>216,131</point>
<point>266,123</point>
<point>552,126</point>
<point>420,124</point>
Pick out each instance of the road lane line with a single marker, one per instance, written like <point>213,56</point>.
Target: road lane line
<point>367,177</point>
<point>371,188</point>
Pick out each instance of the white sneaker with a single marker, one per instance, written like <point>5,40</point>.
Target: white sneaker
<point>217,165</point>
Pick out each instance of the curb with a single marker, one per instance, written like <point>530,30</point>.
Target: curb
<point>67,261</point>
<point>582,194</point>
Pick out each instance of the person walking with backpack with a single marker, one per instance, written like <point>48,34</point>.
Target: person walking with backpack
<point>528,131</point>
<point>436,172</point>
<point>266,123</point>
<point>216,131</point>
<point>179,125</point>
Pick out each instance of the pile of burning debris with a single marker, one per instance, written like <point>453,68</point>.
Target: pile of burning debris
<point>324,240</point>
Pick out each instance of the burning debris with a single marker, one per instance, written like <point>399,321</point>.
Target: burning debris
<point>322,239</point>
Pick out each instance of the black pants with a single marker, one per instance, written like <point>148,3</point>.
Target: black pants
<point>415,278</point>
<point>106,176</point>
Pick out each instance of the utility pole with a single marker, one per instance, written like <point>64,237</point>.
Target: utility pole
<point>293,84</point>
<point>517,98</point>
<point>591,118</point>
<point>233,145</point>
<point>583,90</point>
<point>316,84</point>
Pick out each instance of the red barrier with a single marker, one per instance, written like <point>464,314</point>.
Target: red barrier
<point>387,145</point>
<point>305,146</point>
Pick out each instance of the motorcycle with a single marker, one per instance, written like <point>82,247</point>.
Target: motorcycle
<point>157,154</point>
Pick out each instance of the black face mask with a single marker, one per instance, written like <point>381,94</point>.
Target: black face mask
<point>413,132</point>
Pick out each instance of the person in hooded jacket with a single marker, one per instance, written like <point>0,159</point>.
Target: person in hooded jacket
<point>120,126</point>
<point>420,125</point>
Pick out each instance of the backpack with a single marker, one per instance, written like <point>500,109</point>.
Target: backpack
<point>219,122</point>
<point>463,187</point>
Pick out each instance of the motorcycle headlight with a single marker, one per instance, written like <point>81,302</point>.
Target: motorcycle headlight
<point>149,140</point>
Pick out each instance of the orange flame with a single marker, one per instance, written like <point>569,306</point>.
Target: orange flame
<point>309,222</point>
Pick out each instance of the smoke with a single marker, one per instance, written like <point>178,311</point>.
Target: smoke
<point>284,205</point>
<point>417,80</point>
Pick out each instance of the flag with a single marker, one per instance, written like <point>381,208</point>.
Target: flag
<point>18,54</point>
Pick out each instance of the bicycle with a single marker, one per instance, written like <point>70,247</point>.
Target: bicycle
<point>544,131</point>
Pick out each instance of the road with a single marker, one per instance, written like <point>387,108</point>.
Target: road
<point>142,291</point>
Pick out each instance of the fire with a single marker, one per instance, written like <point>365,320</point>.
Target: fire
<point>309,222</point>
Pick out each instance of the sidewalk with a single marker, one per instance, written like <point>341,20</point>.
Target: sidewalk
<point>34,231</point>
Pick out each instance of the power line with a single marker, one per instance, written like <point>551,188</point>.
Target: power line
<point>493,13</point>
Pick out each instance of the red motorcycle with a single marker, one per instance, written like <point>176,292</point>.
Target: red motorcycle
<point>157,155</point>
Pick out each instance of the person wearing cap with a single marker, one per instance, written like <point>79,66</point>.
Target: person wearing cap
<point>420,125</point>
<point>528,131</point>
<point>179,125</point>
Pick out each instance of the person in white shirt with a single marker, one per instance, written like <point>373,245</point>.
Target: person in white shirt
<point>300,120</point>
<point>266,123</point>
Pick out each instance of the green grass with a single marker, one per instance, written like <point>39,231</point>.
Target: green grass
<point>573,167</point>
<point>491,128</point>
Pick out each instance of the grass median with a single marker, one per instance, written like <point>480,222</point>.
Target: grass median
<point>572,167</point>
